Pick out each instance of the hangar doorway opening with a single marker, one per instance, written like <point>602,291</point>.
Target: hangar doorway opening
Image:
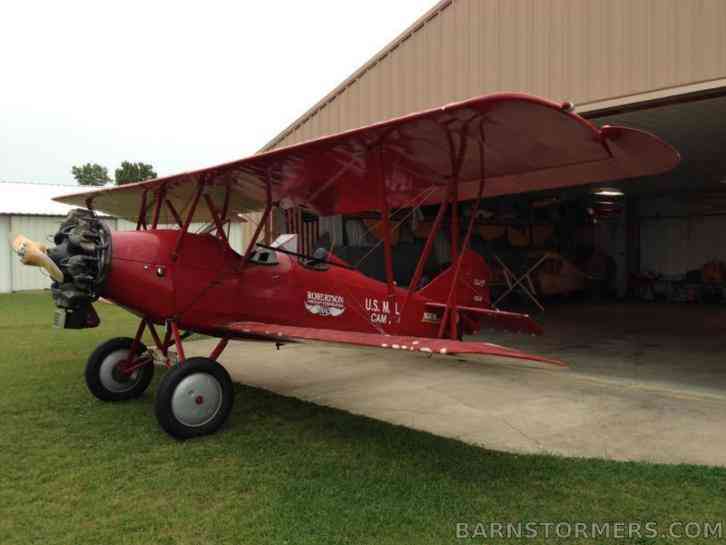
<point>661,314</point>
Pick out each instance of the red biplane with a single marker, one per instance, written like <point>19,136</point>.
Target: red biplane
<point>489,146</point>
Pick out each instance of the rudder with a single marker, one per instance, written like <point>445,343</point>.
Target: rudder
<point>472,288</point>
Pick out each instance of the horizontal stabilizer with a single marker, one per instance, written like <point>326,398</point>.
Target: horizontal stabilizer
<point>498,320</point>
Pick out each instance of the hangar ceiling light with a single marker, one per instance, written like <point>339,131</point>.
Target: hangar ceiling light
<point>609,192</point>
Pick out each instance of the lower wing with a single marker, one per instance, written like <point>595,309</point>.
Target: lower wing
<point>286,333</point>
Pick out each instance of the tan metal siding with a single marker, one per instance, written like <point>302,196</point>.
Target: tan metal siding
<point>420,77</point>
<point>374,94</point>
<point>474,40</point>
<point>384,87</point>
<point>400,80</point>
<point>434,77</point>
<point>488,20</point>
<point>447,63</point>
<point>585,51</point>
<point>460,29</point>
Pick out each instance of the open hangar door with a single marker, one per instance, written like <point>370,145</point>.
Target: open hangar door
<point>678,220</point>
<point>658,312</point>
<point>627,278</point>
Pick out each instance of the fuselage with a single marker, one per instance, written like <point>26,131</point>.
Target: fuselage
<point>207,285</point>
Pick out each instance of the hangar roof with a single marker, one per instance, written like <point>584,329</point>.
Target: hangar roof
<point>32,199</point>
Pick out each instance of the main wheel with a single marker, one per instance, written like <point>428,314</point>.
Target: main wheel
<point>105,378</point>
<point>194,398</point>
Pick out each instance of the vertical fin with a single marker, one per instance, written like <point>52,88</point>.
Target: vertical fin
<point>473,284</point>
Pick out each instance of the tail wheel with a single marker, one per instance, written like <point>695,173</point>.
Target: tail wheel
<point>194,398</point>
<point>105,377</point>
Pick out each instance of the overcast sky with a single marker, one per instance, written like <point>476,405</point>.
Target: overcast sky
<point>179,84</point>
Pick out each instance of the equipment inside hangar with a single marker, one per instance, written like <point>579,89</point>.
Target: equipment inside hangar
<point>651,239</point>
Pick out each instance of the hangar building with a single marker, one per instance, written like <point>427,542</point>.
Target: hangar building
<point>633,279</point>
<point>658,65</point>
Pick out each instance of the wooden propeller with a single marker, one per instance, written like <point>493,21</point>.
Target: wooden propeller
<point>35,254</point>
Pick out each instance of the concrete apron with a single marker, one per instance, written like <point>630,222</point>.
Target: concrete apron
<point>493,403</point>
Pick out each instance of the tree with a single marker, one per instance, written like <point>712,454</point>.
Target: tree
<point>129,173</point>
<point>91,174</point>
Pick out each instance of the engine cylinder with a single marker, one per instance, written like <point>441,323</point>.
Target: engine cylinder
<point>83,254</point>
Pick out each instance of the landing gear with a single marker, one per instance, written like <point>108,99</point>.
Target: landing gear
<point>194,398</point>
<point>114,374</point>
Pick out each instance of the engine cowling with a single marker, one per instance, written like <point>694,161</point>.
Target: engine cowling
<point>82,252</point>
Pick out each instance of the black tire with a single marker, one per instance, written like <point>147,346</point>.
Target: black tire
<point>202,405</point>
<point>104,383</point>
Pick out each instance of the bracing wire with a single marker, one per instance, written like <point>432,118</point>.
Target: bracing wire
<point>428,192</point>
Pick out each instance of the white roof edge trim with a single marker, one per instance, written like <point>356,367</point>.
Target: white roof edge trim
<point>31,199</point>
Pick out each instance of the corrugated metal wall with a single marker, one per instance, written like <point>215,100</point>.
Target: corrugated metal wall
<point>5,256</point>
<point>585,51</point>
<point>40,228</point>
<point>14,276</point>
<point>675,240</point>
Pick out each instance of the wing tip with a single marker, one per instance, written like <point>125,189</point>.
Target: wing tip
<point>643,147</point>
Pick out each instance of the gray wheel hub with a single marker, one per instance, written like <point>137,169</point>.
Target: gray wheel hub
<point>197,399</point>
<point>111,376</point>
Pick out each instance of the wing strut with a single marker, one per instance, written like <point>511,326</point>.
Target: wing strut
<point>160,196</point>
<point>386,222</point>
<point>188,220</point>
<point>174,213</point>
<point>218,221</point>
<point>456,155</point>
<point>141,222</point>
<point>451,299</point>
<point>261,224</point>
<point>424,258</point>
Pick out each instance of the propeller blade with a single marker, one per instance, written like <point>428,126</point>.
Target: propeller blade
<point>35,254</point>
<point>18,241</point>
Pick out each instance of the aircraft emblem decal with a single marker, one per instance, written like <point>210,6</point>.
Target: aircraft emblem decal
<point>325,304</point>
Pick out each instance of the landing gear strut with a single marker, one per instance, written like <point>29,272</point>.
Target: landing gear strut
<point>195,396</point>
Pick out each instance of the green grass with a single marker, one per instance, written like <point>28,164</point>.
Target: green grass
<point>74,470</point>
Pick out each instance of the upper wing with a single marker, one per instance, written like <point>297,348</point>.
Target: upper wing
<point>519,142</point>
<point>394,342</point>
